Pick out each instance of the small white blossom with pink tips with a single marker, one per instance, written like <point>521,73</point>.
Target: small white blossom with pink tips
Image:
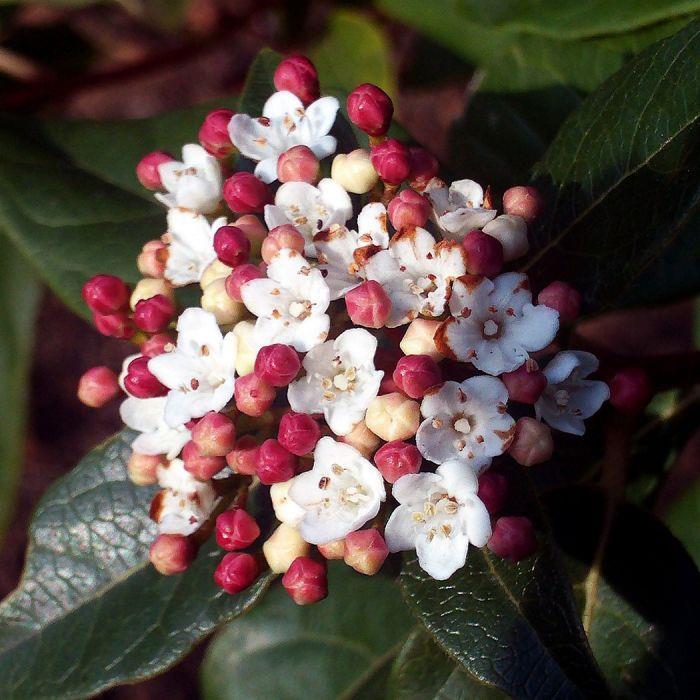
<point>147,417</point>
<point>439,515</point>
<point>466,421</point>
<point>494,324</point>
<point>458,208</point>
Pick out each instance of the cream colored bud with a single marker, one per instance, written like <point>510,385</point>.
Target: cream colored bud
<point>286,510</point>
<point>393,417</point>
<point>333,550</point>
<point>245,356</point>
<point>363,440</point>
<point>354,171</point>
<point>283,547</point>
<point>214,271</point>
<point>150,287</point>
<point>419,339</point>
<point>142,469</point>
<point>217,301</point>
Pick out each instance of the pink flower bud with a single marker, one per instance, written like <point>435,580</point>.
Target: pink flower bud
<point>397,458</point>
<point>277,364</point>
<point>240,275</point>
<point>562,298</point>
<point>424,166</point>
<point>231,245</point>
<point>157,344</point>
<point>106,294</point>
<point>98,386</point>
<point>275,463</point>
<point>213,134</point>
<point>532,444</point>
<point>332,550</point>
<point>298,433</point>
<point>253,396</point>
<point>200,466</point>
<point>523,201</point>
<point>415,374</point>
<point>630,390</point>
<point>154,314</point>
<point>143,469</point>
<point>117,325</point>
<point>298,164</point>
<point>370,109</point>
<point>235,572</point>
<point>408,209</point>
<point>298,75</point>
<point>243,458</point>
<point>139,381</point>
<point>368,305</point>
<point>255,231</point>
<point>513,538</point>
<point>493,491</point>
<point>214,434</point>
<point>152,258</point>
<point>365,551</point>
<point>525,384</point>
<point>285,236</point>
<point>484,253</point>
<point>236,529</point>
<point>391,160</point>
<point>147,169</point>
<point>172,554</point>
<point>245,194</point>
<point>362,439</point>
<point>306,581</point>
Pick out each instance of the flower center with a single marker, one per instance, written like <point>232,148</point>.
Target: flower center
<point>423,285</point>
<point>561,398</point>
<point>300,309</point>
<point>435,519</point>
<point>491,328</point>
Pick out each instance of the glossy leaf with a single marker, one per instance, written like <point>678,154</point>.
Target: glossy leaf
<point>90,612</point>
<point>682,518</point>
<point>341,647</point>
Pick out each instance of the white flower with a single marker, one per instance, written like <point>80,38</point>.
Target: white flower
<point>494,324</point>
<point>466,421</point>
<point>185,503</point>
<point>147,417</point>
<point>310,209</point>
<point>439,516</point>
<point>416,273</point>
<point>340,380</point>
<point>191,246</point>
<point>339,495</point>
<point>200,370</point>
<point>342,253</point>
<point>285,123</point>
<point>194,183</point>
<point>459,208</point>
<point>290,303</point>
<point>568,398</point>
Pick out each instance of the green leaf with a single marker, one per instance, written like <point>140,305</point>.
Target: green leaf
<point>20,292</point>
<point>637,589</point>
<point>623,182</point>
<point>339,648</point>
<point>90,611</point>
<point>682,519</point>
<point>514,626</point>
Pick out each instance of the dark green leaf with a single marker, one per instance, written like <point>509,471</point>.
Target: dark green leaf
<point>90,611</point>
<point>683,517</point>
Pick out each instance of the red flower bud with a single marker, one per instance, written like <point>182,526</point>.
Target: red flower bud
<point>298,75</point>
<point>231,245</point>
<point>424,166</point>
<point>408,209</point>
<point>525,384</point>
<point>525,202</point>
<point>298,433</point>
<point>365,551</point>
<point>147,169</point>
<point>253,396</point>
<point>484,253</point>
<point>240,275</point>
<point>117,325</point>
<point>200,466</point>
<point>157,344</point>
<point>235,572</point>
<point>513,538</point>
<point>277,364</point>
<point>154,314</point>
<point>140,382</point>
<point>98,386</point>
<point>415,374</point>
<point>152,258</point>
<point>493,491</point>
<point>214,434</point>
<point>396,459</point>
<point>285,236</point>
<point>106,294</point>
<point>172,554</point>
<point>243,458</point>
<point>391,160</point>
<point>562,298</point>
<point>236,529</point>
<point>298,164</point>
<point>370,109</point>
<point>245,194</point>
<point>213,134</point>
<point>275,463</point>
<point>306,581</point>
<point>368,305</point>
<point>630,390</point>
<point>533,442</point>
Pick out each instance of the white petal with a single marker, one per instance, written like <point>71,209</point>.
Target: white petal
<point>442,556</point>
<point>282,103</point>
<point>143,415</point>
<point>399,531</point>
<point>536,328</point>
<point>251,137</point>
<point>410,489</point>
<point>458,481</point>
<point>321,115</point>
<point>266,169</point>
<point>356,348</point>
<point>372,226</point>
<point>511,231</point>
<point>478,521</point>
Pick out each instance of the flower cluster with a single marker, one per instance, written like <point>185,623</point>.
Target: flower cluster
<point>363,347</point>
